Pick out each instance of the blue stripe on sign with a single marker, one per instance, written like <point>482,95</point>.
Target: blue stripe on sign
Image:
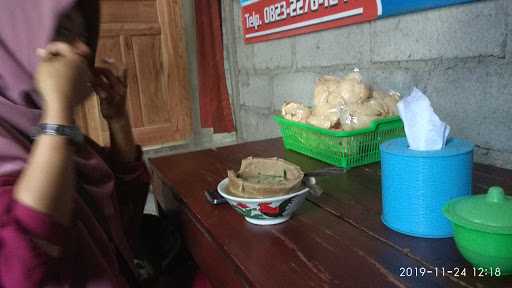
<point>395,7</point>
<point>243,2</point>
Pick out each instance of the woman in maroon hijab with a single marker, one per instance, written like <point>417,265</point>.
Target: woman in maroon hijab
<point>61,196</point>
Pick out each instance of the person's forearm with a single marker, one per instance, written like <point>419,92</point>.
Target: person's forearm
<point>47,182</point>
<point>121,139</point>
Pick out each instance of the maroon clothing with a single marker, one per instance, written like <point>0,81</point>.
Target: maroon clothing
<point>94,251</point>
<point>90,252</point>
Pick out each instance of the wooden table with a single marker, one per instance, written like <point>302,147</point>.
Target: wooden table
<point>335,240</point>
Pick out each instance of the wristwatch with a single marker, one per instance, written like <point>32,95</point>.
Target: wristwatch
<point>70,131</point>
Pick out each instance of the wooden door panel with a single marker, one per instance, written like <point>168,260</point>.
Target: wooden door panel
<point>129,11</point>
<point>155,105</point>
<point>159,135</point>
<point>133,96</point>
<point>109,29</point>
<point>175,65</point>
<point>146,37</point>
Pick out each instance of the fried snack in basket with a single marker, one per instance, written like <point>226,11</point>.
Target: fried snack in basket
<point>264,177</point>
<point>295,111</point>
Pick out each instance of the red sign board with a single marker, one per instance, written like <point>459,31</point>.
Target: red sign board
<point>271,19</point>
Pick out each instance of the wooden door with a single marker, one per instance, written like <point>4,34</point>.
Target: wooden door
<point>147,37</point>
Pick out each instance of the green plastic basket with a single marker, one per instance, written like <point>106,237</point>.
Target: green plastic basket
<point>344,149</point>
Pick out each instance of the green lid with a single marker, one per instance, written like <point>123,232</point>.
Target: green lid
<point>491,212</point>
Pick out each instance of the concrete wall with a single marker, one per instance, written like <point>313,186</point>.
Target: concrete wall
<point>460,56</point>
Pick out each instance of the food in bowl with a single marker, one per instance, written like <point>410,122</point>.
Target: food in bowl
<point>265,190</point>
<point>264,211</point>
<point>264,178</point>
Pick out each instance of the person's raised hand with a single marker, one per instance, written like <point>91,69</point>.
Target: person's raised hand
<point>63,80</point>
<point>111,90</point>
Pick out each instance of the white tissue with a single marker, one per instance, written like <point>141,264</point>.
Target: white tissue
<point>423,128</point>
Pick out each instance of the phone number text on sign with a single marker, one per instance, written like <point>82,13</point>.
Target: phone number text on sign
<point>280,11</point>
<point>269,19</point>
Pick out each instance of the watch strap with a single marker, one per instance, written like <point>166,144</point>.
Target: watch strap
<point>70,131</point>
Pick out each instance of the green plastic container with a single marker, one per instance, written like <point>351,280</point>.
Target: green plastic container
<point>482,228</point>
<point>344,149</point>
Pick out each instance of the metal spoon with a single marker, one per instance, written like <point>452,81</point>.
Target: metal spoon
<point>309,179</point>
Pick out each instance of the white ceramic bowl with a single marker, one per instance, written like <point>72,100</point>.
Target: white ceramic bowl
<point>264,211</point>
